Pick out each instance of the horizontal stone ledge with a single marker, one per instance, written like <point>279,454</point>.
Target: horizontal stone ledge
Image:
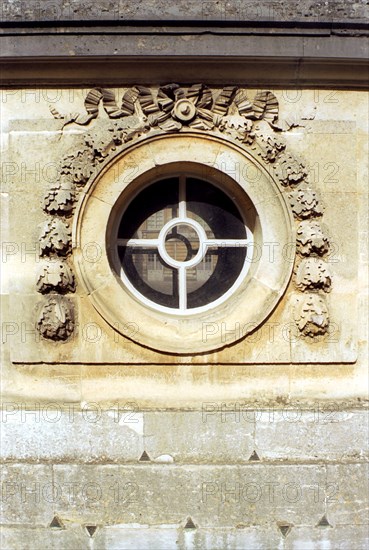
<point>192,45</point>
<point>254,71</point>
<point>298,28</point>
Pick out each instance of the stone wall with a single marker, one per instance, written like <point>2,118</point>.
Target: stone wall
<point>231,478</point>
<point>253,435</point>
<point>258,451</point>
<point>276,11</point>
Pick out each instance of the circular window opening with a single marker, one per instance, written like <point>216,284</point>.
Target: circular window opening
<point>182,227</point>
<point>183,245</point>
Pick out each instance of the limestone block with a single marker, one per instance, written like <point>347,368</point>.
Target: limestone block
<point>323,432</point>
<point>156,494</point>
<point>121,537</point>
<point>69,538</point>
<point>201,437</point>
<point>126,537</point>
<point>26,491</point>
<point>59,434</point>
<point>349,503</point>
<point>340,536</point>
<point>171,538</point>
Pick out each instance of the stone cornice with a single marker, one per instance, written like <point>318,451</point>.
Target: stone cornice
<point>255,71</point>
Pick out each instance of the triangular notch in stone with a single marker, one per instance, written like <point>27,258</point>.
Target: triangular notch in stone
<point>190,524</point>
<point>254,457</point>
<point>324,522</point>
<point>91,530</point>
<point>144,457</point>
<point>285,528</point>
<point>56,523</point>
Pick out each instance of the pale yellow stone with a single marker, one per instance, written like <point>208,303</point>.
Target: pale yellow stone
<point>160,360</point>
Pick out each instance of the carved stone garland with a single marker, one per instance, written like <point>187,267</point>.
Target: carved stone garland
<point>173,108</point>
<point>55,279</point>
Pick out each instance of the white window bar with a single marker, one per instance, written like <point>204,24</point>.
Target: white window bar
<point>204,244</point>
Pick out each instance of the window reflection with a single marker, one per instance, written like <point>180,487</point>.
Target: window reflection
<point>144,223</point>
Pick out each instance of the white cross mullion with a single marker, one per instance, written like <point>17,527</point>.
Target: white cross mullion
<point>182,289</point>
<point>138,242</point>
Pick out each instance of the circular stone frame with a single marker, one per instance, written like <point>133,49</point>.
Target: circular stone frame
<point>222,163</point>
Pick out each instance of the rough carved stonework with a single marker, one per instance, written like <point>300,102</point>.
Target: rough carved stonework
<point>55,238</point>
<point>174,108</point>
<point>289,170</point>
<point>270,146</point>
<point>59,199</point>
<point>305,204</point>
<point>313,274</point>
<point>56,320</point>
<point>311,315</point>
<point>102,143</point>
<point>266,106</point>
<point>238,128</point>
<point>311,239</point>
<point>78,168</point>
<point>56,277</point>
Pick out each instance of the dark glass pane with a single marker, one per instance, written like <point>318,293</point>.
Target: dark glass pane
<point>198,275</point>
<point>230,262</point>
<point>203,223</point>
<point>146,215</point>
<point>150,276</point>
<point>150,210</point>
<point>215,208</point>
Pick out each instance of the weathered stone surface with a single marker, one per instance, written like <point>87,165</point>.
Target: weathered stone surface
<point>199,45</point>
<point>255,494</point>
<point>349,493</point>
<point>265,350</point>
<point>71,537</point>
<point>126,537</point>
<point>252,494</point>
<point>291,472</point>
<point>208,11</point>
<point>26,494</point>
<point>57,433</point>
<point>341,536</point>
<point>196,436</point>
<point>323,432</point>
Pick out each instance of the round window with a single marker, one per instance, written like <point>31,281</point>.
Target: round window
<point>183,245</point>
<point>190,233</point>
